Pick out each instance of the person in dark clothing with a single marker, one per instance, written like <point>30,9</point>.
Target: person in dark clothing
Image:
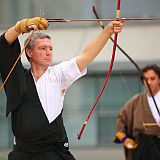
<point>35,96</point>
<point>141,141</point>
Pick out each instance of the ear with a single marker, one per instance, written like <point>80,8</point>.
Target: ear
<point>159,80</point>
<point>29,52</point>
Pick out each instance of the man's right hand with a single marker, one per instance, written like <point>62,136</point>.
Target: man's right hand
<point>130,143</point>
<point>26,25</point>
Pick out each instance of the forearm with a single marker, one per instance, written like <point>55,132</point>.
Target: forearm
<point>122,121</point>
<point>96,45</point>
<point>11,35</point>
<point>93,48</point>
<point>121,134</point>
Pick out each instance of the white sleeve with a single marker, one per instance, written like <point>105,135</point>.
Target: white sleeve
<point>67,72</point>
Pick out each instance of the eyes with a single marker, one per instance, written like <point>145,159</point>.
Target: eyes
<point>43,48</point>
<point>151,79</point>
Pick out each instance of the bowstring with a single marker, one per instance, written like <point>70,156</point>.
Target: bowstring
<point>42,10</point>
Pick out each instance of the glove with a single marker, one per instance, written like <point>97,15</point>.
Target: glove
<point>127,142</point>
<point>130,143</point>
<point>24,25</point>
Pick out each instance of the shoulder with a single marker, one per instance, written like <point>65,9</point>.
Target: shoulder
<point>63,63</point>
<point>134,100</point>
<point>3,41</point>
<point>138,96</point>
<point>66,67</point>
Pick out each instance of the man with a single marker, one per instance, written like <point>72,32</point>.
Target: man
<point>141,142</point>
<point>35,96</point>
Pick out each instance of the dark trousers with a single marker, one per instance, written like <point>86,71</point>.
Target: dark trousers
<point>47,153</point>
<point>148,148</point>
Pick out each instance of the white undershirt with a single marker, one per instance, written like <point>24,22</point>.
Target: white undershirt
<point>153,107</point>
<point>52,84</point>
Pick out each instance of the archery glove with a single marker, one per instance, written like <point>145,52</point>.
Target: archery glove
<point>25,25</point>
<point>127,142</point>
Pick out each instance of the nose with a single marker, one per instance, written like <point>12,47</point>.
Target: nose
<point>48,52</point>
<point>149,81</point>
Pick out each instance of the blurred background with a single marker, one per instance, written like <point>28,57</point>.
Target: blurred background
<point>140,39</point>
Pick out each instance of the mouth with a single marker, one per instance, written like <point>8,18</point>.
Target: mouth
<point>47,59</point>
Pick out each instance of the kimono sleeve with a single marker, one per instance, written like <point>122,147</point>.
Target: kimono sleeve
<point>68,72</point>
<point>8,55</point>
<point>15,85</point>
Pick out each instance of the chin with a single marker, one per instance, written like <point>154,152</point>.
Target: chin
<point>48,63</point>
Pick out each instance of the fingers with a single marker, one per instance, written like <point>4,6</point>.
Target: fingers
<point>40,22</point>
<point>116,26</point>
<point>26,25</point>
<point>43,23</point>
<point>32,27</point>
<point>130,144</point>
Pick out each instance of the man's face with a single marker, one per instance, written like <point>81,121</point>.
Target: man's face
<point>41,54</point>
<point>153,81</point>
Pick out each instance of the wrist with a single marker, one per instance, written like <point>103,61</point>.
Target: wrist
<point>124,139</point>
<point>108,31</point>
<point>17,27</point>
<point>121,136</point>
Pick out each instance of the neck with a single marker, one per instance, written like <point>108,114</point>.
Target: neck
<point>38,72</point>
<point>154,94</point>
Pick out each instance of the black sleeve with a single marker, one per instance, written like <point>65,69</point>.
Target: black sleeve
<point>8,55</point>
<point>15,86</point>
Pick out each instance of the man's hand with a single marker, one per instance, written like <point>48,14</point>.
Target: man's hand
<point>115,26</point>
<point>130,143</point>
<point>26,25</point>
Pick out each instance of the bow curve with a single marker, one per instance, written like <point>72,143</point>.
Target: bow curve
<point>107,77</point>
<point>132,61</point>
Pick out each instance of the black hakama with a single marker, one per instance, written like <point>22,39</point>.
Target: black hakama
<point>148,148</point>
